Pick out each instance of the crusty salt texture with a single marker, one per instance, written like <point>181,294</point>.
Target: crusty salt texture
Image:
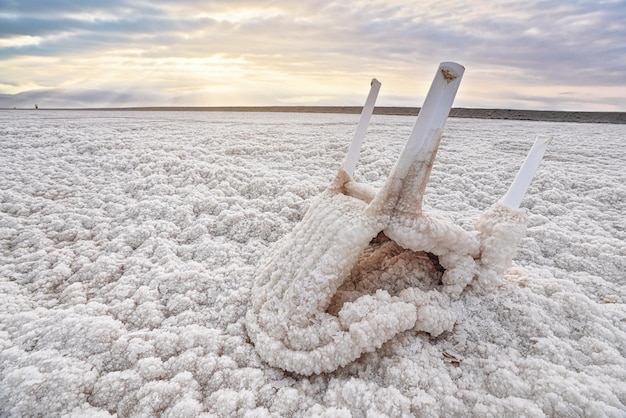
<point>327,292</point>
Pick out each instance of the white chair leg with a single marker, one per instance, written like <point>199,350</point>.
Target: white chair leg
<point>407,181</point>
<point>349,164</point>
<point>515,194</point>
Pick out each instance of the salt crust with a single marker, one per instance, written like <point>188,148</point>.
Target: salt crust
<point>128,243</point>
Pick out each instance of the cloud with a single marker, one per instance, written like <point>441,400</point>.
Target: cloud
<point>332,45</point>
<point>55,98</point>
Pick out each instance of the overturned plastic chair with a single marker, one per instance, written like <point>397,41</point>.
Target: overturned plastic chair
<point>308,313</point>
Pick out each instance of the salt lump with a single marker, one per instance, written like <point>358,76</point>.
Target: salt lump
<point>332,289</point>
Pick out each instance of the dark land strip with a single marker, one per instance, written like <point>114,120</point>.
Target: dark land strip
<point>457,112</point>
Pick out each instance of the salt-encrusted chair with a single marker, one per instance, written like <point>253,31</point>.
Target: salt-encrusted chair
<point>318,301</point>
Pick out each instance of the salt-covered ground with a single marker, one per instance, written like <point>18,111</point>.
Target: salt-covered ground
<point>128,242</point>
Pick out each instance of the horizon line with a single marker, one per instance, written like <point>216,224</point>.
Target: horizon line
<point>455,112</point>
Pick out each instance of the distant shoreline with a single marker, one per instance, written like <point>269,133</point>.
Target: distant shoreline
<point>458,112</point>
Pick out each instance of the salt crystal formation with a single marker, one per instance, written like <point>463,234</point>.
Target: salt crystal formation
<point>335,287</point>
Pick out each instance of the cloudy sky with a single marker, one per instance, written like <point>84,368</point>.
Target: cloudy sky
<point>530,54</point>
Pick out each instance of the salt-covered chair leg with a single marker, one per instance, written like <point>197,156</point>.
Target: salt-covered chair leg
<point>401,196</point>
<point>502,227</point>
<point>404,189</point>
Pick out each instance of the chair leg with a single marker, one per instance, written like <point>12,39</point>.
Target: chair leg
<point>404,189</point>
<point>349,164</point>
<point>515,194</point>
